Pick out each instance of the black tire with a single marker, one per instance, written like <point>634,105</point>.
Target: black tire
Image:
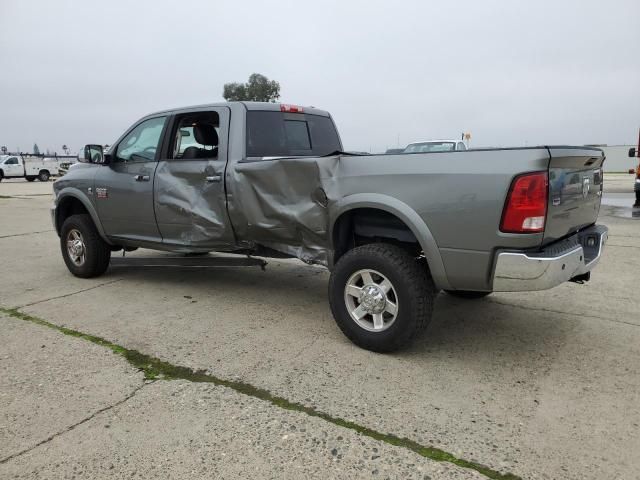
<point>97,252</point>
<point>412,286</point>
<point>30,178</point>
<point>44,176</point>
<point>467,294</point>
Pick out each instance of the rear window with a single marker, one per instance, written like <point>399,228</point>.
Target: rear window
<point>279,134</point>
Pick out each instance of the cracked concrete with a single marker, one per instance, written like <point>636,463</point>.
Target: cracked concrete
<point>71,427</point>
<point>213,432</point>
<point>544,385</point>
<point>49,381</point>
<point>56,297</point>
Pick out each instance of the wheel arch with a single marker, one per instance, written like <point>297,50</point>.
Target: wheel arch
<point>71,201</point>
<point>400,210</point>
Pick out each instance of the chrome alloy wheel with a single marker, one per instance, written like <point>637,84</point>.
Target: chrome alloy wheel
<point>371,300</point>
<point>76,248</point>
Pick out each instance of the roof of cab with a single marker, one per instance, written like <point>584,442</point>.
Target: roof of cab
<point>263,106</point>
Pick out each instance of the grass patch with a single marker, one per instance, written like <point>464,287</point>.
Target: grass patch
<point>157,369</point>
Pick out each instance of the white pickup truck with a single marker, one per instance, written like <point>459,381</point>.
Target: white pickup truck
<point>15,166</point>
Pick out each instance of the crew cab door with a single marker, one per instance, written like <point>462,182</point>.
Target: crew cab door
<point>12,167</point>
<point>190,199</point>
<point>123,189</point>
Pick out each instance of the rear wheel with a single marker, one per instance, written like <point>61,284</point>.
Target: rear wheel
<point>43,176</point>
<point>84,252</point>
<point>467,294</point>
<point>381,297</point>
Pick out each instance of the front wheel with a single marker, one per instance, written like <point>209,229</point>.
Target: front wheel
<point>30,178</point>
<point>467,294</point>
<point>381,297</point>
<point>84,252</point>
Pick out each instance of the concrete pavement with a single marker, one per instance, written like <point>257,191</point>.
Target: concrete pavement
<point>538,385</point>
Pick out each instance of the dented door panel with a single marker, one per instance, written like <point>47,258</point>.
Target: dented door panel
<point>283,204</point>
<point>189,197</point>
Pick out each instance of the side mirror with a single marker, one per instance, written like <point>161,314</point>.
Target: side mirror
<point>93,154</point>
<point>632,152</point>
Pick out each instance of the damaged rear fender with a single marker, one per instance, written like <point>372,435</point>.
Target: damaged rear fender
<point>410,218</point>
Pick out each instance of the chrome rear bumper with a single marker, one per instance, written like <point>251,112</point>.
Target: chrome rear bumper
<point>553,265</point>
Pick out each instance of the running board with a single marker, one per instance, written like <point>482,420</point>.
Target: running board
<point>191,262</point>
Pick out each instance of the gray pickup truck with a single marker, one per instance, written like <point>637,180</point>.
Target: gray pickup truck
<point>271,180</point>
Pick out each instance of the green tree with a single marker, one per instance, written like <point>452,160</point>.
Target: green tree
<point>36,150</point>
<point>258,89</point>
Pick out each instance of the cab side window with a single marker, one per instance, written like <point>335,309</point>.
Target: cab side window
<point>141,143</point>
<point>12,161</point>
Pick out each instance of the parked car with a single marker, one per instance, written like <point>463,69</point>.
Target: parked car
<point>435,146</point>
<point>16,166</point>
<point>271,180</point>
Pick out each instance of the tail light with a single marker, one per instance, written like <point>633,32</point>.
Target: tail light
<point>526,208</point>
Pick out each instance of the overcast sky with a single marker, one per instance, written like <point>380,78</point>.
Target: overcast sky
<point>510,72</point>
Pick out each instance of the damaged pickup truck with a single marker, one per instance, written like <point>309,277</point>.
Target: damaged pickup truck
<point>271,180</point>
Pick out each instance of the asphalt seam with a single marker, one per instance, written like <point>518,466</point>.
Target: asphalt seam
<point>581,315</point>
<point>75,425</point>
<point>27,233</point>
<point>70,294</point>
<point>156,369</point>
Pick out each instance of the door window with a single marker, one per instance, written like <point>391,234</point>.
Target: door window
<point>196,136</point>
<point>141,143</point>
<point>12,161</point>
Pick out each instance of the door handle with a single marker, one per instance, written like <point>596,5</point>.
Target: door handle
<point>214,178</point>
<point>141,178</point>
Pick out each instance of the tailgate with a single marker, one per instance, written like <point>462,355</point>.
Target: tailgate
<point>575,190</point>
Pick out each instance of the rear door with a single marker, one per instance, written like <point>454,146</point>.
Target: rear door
<point>575,190</point>
<point>123,191</point>
<point>190,197</point>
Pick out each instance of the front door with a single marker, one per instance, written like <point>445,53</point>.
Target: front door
<point>123,189</point>
<point>12,167</point>
<point>190,200</point>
